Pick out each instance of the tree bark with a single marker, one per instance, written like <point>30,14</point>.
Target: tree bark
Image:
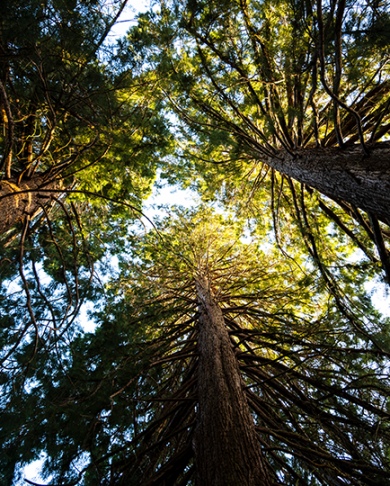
<point>16,203</point>
<point>227,450</point>
<point>348,174</point>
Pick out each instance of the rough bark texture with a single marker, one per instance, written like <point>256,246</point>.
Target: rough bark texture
<point>15,205</point>
<point>227,451</point>
<point>348,174</point>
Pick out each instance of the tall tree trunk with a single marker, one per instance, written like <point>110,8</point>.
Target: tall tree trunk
<point>16,203</point>
<point>348,174</point>
<point>227,450</point>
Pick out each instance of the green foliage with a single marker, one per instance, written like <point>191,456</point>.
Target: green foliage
<point>69,111</point>
<point>201,92</point>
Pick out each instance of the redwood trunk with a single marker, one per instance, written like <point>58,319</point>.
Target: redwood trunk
<point>227,450</point>
<point>348,174</point>
<point>17,200</point>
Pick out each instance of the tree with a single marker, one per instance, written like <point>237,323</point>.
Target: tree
<point>205,343</point>
<point>67,110</point>
<point>299,86</point>
<point>81,144</point>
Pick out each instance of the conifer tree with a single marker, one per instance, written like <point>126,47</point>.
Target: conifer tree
<point>214,362</point>
<point>300,86</point>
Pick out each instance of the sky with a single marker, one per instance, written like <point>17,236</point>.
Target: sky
<point>127,18</point>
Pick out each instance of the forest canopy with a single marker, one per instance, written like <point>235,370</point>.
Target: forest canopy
<point>231,340</point>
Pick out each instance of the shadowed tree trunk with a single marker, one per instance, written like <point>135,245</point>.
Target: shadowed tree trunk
<point>348,174</point>
<point>21,199</point>
<point>227,450</point>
